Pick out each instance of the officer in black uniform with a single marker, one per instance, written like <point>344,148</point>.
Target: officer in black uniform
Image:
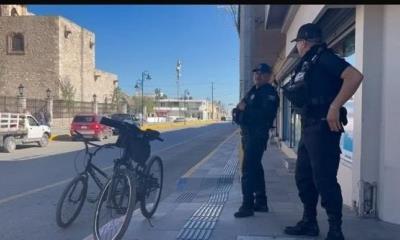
<point>330,81</point>
<point>255,114</point>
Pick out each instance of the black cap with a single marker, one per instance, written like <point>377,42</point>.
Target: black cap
<point>262,68</point>
<point>308,31</point>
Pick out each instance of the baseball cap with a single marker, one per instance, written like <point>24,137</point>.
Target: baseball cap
<point>308,31</point>
<point>263,68</point>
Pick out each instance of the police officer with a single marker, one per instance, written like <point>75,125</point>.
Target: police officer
<point>330,82</point>
<point>256,111</point>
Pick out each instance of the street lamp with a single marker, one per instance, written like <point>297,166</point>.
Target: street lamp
<point>48,92</point>
<point>145,76</point>
<point>21,90</point>
<point>178,75</point>
<point>186,95</point>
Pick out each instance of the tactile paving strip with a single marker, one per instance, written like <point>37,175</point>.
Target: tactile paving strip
<point>203,221</point>
<point>186,197</point>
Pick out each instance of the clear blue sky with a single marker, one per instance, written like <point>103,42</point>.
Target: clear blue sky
<point>133,38</point>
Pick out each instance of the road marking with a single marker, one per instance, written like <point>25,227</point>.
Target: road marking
<point>206,158</point>
<point>30,192</point>
<point>33,191</point>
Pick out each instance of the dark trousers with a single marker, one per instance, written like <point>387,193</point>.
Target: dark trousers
<point>253,182</point>
<point>318,159</point>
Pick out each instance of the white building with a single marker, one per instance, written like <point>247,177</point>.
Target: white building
<point>367,36</point>
<point>189,108</point>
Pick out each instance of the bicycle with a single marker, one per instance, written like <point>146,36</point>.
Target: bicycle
<point>133,180</point>
<point>75,192</point>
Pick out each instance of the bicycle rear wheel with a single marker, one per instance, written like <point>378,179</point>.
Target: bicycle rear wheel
<point>115,207</point>
<point>71,201</point>
<point>152,189</point>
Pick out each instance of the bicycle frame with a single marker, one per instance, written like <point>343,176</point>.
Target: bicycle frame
<point>91,169</point>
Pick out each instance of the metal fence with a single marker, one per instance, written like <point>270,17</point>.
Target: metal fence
<point>36,106</point>
<point>68,109</point>
<point>8,104</point>
<point>61,108</point>
<point>107,108</point>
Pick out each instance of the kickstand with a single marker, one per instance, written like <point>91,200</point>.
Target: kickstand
<point>148,219</point>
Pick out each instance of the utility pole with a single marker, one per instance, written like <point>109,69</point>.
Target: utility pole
<point>178,75</point>
<point>212,100</point>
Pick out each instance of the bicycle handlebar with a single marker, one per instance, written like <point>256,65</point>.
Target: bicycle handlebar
<point>127,127</point>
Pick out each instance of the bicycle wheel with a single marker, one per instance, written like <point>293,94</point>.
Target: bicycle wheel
<point>71,201</point>
<point>115,207</point>
<point>152,189</point>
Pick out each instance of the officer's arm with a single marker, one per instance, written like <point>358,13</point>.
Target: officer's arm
<point>265,114</point>
<point>351,81</point>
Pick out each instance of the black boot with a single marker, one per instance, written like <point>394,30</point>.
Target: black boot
<point>260,204</point>
<point>335,229</point>
<point>303,228</point>
<point>261,207</point>
<point>335,233</point>
<point>244,211</point>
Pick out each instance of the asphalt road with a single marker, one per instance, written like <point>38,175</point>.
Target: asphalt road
<point>32,179</point>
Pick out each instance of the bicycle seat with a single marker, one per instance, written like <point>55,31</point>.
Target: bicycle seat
<point>151,135</point>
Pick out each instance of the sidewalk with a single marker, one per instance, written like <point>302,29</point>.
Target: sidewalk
<point>207,196</point>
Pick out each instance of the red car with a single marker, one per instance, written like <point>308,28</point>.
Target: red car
<point>89,126</point>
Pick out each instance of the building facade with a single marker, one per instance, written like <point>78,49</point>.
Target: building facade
<point>190,108</point>
<point>43,52</point>
<point>367,37</point>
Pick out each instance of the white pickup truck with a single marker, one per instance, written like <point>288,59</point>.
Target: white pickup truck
<point>17,129</point>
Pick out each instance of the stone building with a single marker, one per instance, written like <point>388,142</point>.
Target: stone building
<point>43,52</point>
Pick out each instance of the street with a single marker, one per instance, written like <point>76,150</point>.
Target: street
<point>32,179</point>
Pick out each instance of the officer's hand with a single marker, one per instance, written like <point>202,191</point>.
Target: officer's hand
<point>241,106</point>
<point>333,119</point>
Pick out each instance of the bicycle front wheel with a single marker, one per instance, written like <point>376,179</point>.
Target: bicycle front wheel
<point>71,201</point>
<point>115,207</point>
<point>152,189</point>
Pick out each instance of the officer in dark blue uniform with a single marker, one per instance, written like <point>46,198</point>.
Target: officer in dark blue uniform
<point>330,81</point>
<point>255,115</point>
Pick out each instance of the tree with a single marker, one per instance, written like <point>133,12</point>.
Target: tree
<point>158,93</point>
<point>148,102</point>
<point>117,95</point>
<point>68,92</point>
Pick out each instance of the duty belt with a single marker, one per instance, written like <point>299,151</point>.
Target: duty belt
<point>318,101</point>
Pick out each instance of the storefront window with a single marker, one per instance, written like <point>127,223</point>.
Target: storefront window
<point>346,49</point>
<point>291,125</point>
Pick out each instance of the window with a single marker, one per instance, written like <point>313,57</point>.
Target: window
<point>14,12</point>
<point>346,49</point>
<point>16,43</point>
<point>32,122</point>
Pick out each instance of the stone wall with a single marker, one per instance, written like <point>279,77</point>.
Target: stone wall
<point>6,10</point>
<point>56,51</point>
<point>103,86</point>
<point>76,58</point>
<point>37,68</point>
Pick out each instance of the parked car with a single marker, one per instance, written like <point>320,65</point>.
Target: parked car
<point>18,129</point>
<point>124,117</point>
<point>89,126</point>
<point>179,119</point>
